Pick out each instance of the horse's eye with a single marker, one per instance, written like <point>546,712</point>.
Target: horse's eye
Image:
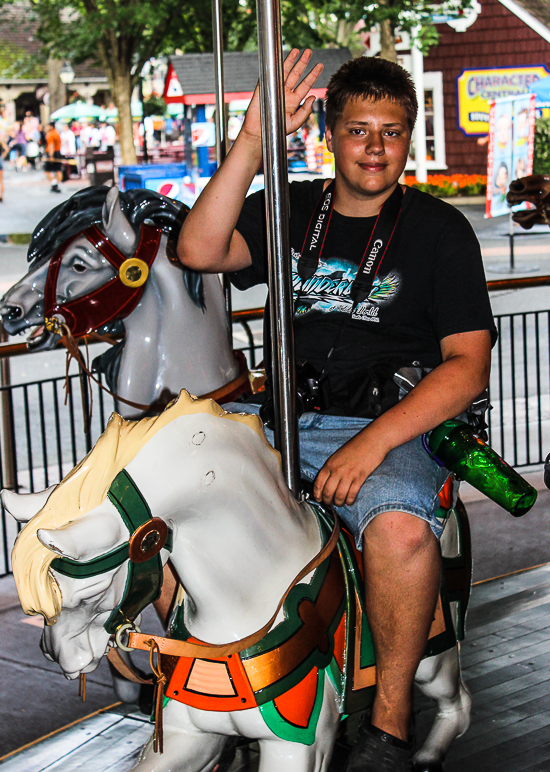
<point>79,267</point>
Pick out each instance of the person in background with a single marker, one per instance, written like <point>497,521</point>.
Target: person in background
<point>33,149</point>
<point>86,134</point>
<point>52,164</point>
<point>30,124</point>
<point>3,153</point>
<point>68,142</point>
<point>20,147</point>
<point>76,128</point>
<point>68,150</point>
<point>95,136</point>
<point>108,136</point>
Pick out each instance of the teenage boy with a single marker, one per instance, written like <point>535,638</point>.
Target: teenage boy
<point>426,308</point>
<point>52,164</point>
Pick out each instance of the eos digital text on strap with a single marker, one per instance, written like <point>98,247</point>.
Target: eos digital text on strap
<point>375,251</point>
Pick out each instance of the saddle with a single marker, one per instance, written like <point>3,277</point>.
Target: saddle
<point>324,630</point>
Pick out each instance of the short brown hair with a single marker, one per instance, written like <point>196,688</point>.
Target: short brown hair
<point>369,77</point>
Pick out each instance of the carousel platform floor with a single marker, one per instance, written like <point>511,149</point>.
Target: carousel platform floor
<point>506,664</point>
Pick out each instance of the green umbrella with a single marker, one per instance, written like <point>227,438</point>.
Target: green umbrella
<point>76,111</point>
<point>109,115</point>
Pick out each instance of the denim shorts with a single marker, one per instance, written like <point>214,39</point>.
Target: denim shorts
<point>406,481</point>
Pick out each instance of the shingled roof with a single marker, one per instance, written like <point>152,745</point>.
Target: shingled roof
<point>195,72</point>
<point>534,13</point>
<point>540,9</point>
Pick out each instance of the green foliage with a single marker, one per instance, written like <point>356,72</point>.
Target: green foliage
<point>410,15</point>
<point>15,62</point>
<point>322,23</point>
<point>541,161</point>
<point>155,106</point>
<point>96,30</point>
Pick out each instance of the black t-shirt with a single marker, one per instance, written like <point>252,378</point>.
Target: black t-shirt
<point>430,284</point>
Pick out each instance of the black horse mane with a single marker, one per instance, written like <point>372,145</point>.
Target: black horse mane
<point>85,209</point>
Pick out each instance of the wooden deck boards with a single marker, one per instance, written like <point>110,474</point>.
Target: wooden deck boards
<point>506,665</point>
<point>505,662</point>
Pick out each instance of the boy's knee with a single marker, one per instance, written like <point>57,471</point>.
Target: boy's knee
<point>399,534</point>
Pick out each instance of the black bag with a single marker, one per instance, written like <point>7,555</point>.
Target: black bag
<point>372,391</point>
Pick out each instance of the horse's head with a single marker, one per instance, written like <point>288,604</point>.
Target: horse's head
<point>78,639</point>
<point>536,190</point>
<point>77,251</point>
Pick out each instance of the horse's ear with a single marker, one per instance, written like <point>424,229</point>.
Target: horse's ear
<point>94,533</point>
<point>59,540</point>
<point>23,506</point>
<point>116,226</point>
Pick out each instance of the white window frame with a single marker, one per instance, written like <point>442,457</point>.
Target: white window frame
<point>434,82</point>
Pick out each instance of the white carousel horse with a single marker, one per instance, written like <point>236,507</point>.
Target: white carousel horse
<point>238,539</point>
<point>176,332</point>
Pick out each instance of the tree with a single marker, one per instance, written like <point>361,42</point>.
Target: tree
<point>412,16</point>
<point>121,35</point>
<point>541,163</point>
<point>319,24</point>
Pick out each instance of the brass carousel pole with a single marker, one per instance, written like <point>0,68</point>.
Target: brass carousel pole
<point>278,246</point>
<point>221,123</point>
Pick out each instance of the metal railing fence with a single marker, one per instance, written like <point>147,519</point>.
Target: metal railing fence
<point>519,421</point>
<point>42,438</point>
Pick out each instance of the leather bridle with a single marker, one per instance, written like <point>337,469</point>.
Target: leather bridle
<point>115,299</point>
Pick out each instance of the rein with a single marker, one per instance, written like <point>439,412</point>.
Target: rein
<point>228,392</point>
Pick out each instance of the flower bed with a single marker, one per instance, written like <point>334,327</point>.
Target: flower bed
<point>445,186</point>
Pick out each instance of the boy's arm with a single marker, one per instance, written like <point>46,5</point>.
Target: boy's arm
<point>444,393</point>
<point>208,240</point>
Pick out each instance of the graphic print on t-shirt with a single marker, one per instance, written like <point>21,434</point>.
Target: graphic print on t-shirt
<point>328,290</point>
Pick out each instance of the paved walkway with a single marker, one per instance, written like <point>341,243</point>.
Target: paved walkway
<point>27,198</point>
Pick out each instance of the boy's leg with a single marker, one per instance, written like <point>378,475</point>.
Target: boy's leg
<point>402,566</point>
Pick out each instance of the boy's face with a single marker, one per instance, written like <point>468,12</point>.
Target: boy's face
<point>370,142</point>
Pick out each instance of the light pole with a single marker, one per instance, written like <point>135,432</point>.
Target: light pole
<point>66,76</point>
<point>420,128</point>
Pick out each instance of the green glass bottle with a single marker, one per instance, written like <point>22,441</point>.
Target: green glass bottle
<point>461,451</point>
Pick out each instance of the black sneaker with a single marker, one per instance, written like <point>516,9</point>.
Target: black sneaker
<point>378,751</point>
<point>55,189</point>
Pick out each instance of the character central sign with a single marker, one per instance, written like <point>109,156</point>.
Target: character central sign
<point>476,89</point>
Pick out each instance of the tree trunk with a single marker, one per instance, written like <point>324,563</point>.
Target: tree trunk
<point>56,89</point>
<point>122,95</point>
<point>387,41</point>
<point>117,62</point>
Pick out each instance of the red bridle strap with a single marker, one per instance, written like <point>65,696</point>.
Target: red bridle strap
<point>112,300</point>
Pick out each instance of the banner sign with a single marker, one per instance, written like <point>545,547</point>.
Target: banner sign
<point>510,149</point>
<point>476,89</point>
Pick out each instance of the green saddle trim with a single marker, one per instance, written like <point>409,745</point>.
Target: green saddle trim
<point>83,570</point>
<point>284,729</point>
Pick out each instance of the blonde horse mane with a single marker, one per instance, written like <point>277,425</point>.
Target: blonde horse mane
<point>85,488</point>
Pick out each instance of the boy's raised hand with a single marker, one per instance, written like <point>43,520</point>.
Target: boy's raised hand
<point>295,92</point>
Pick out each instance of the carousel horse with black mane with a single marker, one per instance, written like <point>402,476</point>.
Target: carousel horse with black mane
<point>268,638</point>
<point>104,262</point>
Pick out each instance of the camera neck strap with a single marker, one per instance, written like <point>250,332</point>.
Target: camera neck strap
<point>376,249</point>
